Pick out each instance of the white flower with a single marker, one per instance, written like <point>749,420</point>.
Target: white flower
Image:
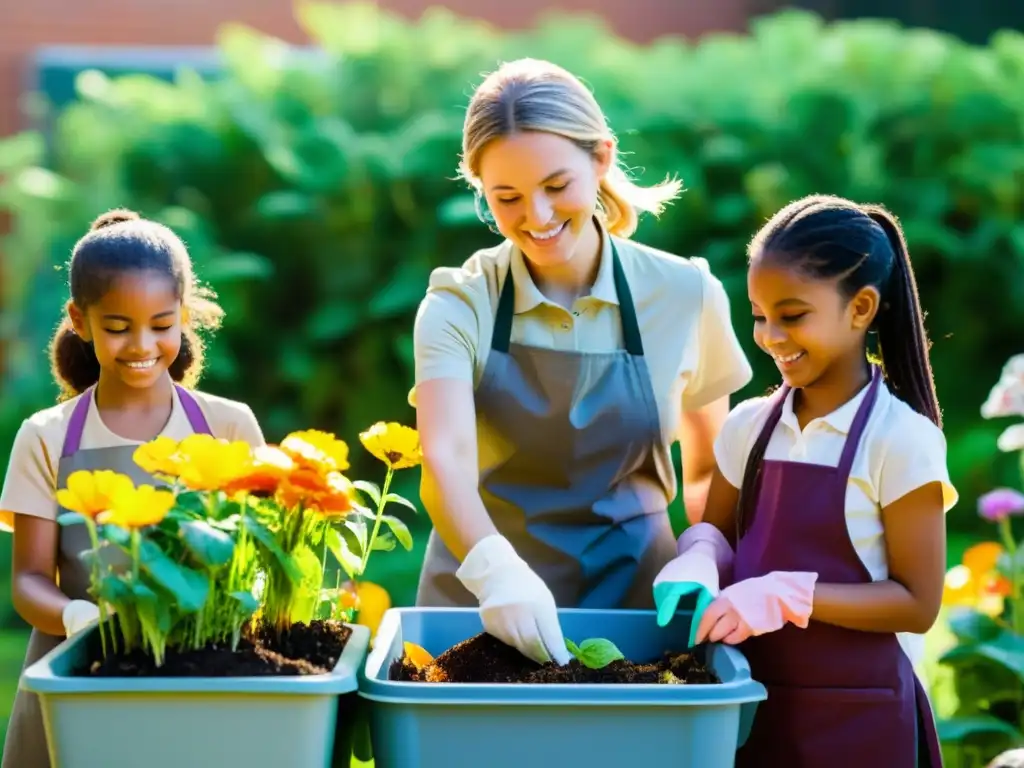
<point>1012,439</point>
<point>1007,396</point>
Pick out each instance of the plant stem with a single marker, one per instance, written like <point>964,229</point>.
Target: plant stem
<point>136,549</point>
<point>376,523</point>
<point>94,538</point>
<point>1016,615</point>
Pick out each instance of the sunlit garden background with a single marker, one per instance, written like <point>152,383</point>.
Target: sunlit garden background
<point>314,187</point>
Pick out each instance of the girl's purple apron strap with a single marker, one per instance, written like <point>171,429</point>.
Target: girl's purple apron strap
<point>76,424</point>
<point>194,413</point>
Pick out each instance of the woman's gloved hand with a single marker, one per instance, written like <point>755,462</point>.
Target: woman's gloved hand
<point>79,614</point>
<point>757,606</point>
<point>515,604</point>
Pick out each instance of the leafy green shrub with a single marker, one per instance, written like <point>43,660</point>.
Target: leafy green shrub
<point>315,188</point>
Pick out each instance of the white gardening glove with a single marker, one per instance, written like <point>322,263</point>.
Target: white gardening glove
<point>79,614</point>
<point>515,604</point>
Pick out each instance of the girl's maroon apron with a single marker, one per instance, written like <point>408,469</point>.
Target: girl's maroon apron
<point>25,746</point>
<point>837,697</point>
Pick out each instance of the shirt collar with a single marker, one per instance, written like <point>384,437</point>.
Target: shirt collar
<point>528,295</point>
<point>841,419</point>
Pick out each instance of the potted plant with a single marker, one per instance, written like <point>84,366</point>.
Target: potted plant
<point>221,640</point>
<point>442,693</point>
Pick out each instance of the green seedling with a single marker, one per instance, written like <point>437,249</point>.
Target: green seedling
<point>595,653</point>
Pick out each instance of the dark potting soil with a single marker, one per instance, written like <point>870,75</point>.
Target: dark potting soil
<point>312,649</point>
<point>485,659</point>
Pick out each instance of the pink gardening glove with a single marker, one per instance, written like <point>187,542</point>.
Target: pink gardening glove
<point>758,606</point>
<point>709,541</point>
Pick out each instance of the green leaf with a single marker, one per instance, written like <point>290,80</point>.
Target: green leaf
<point>400,530</point>
<point>384,542</point>
<point>264,536</point>
<point>370,489</point>
<point>250,604</point>
<point>970,626</point>
<point>153,611</point>
<point>306,599</point>
<point>958,729</point>
<point>70,518</point>
<point>573,648</point>
<point>114,589</point>
<point>1006,651</point>
<point>336,545</point>
<point>116,535</point>
<point>192,503</point>
<point>598,653</point>
<point>190,588</point>
<point>211,547</point>
<point>354,533</point>
<point>394,497</point>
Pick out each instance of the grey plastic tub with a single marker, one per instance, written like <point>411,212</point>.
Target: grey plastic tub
<point>198,722</point>
<point>456,725</point>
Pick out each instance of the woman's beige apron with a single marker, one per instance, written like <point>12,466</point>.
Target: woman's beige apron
<point>583,487</point>
<point>25,745</point>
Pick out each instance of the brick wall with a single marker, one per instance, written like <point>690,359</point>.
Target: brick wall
<point>28,25</point>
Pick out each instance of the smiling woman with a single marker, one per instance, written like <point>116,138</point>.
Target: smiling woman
<point>128,339</point>
<point>555,370</point>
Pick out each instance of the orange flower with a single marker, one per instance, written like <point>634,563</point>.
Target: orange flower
<point>417,655</point>
<point>983,557</point>
<point>269,467</point>
<point>330,494</point>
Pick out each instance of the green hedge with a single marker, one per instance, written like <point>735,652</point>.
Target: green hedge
<point>315,189</point>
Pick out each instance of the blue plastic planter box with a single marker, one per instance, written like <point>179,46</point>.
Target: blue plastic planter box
<point>198,722</point>
<point>456,725</point>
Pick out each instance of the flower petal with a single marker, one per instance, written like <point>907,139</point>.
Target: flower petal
<point>981,558</point>
<point>1012,439</point>
<point>1001,503</point>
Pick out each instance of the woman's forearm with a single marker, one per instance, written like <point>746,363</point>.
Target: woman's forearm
<point>39,602</point>
<point>452,500</point>
<point>880,606</point>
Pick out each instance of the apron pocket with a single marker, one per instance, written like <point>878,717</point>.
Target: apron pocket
<point>836,727</point>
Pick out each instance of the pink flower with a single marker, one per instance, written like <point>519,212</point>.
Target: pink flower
<point>1001,503</point>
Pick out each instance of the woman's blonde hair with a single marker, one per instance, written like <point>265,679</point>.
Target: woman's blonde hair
<point>534,95</point>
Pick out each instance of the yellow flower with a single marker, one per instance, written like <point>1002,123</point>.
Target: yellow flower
<point>317,450</point>
<point>958,587</point>
<point>159,457</point>
<point>396,445</point>
<point>90,493</point>
<point>975,583</point>
<point>210,464</point>
<point>139,507</point>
